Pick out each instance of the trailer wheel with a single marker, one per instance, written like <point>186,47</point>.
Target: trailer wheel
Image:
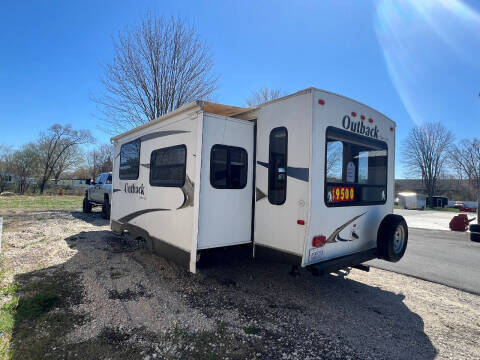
<point>475,232</point>
<point>392,238</point>
<point>106,209</point>
<point>87,206</point>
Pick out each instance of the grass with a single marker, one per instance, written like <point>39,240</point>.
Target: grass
<point>43,202</point>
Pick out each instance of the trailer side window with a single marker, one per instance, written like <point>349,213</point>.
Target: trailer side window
<point>277,166</point>
<point>228,167</point>
<point>168,166</point>
<point>355,169</point>
<point>129,160</point>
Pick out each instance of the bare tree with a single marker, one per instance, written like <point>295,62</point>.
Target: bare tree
<point>52,146</point>
<point>263,95</point>
<point>23,164</point>
<point>4,155</point>
<point>334,160</point>
<point>100,160</point>
<point>425,152</point>
<point>157,67</point>
<point>68,161</point>
<point>465,159</point>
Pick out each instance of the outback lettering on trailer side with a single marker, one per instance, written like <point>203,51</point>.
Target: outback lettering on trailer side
<point>359,127</point>
<point>134,189</point>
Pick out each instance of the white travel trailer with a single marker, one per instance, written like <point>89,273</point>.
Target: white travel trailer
<point>307,179</point>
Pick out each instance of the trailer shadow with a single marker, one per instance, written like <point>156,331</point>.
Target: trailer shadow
<point>261,311</point>
<point>94,218</point>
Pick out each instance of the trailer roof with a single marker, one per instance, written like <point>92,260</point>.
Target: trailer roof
<point>206,106</point>
<point>230,111</point>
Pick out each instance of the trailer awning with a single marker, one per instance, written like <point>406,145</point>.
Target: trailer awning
<point>223,110</point>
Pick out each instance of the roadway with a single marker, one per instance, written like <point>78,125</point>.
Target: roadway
<point>444,257</point>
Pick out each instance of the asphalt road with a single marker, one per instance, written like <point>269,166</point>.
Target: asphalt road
<point>444,257</point>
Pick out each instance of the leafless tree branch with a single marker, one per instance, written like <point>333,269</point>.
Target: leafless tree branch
<point>157,67</point>
<point>425,152</point>
<point>263,95</point>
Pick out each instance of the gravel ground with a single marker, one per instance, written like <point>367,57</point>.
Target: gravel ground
<point>125,303</point>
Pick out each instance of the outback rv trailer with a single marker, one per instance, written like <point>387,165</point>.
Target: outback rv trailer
<point>307,179</point>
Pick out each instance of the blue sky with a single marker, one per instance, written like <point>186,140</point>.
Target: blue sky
<point>414,61</point>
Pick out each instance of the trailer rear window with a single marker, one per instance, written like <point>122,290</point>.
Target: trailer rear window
<point>277,166</point>
<point>129,160</point>
<point>228,167</point>
<point>168,166</point>
<point>355,169</point>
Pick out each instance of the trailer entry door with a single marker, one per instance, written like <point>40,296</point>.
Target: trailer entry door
<point>226,182</point>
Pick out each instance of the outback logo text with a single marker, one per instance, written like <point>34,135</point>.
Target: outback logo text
<point>134,189</point>
<point>359,127</point>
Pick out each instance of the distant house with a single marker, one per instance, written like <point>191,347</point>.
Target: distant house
<point>9,180</point>
<point>73,183</point>
<point>411,200</point>
<point>454,189</point>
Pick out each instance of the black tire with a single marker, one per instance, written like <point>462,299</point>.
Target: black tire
<point>475,232</point>
<point>392,238</point>
<point>106,209</point>
<point>475,228</point>
<point>87,206</point>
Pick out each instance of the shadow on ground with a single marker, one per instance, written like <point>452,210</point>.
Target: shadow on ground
<point>94,218</point>
<point>260,311</point>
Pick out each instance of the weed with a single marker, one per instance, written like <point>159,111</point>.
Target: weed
<point>9,289</point>
<point>7,315</point>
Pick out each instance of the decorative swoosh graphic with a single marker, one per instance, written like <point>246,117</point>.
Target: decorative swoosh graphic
<point>294,172</point>
<point>188,190</point>
<point>334,236</point>
<point>133,215</point>
<point>259,194</point>
<point>158,134</point>
<point>116,190</point>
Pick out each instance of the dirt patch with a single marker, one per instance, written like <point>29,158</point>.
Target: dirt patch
<point>104,296</point>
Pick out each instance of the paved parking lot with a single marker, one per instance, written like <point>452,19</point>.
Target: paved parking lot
<point>428,219</point>
<point>444,257</point>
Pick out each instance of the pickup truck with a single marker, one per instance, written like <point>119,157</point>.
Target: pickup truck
<point>99,193</point>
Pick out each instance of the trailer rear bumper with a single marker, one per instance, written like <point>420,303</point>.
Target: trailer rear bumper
<point>343,262</point>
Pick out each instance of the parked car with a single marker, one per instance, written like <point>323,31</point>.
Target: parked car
<point>99,193</point>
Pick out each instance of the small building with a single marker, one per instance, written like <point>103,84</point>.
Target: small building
<point>437,202</point>
<point>411,200</point>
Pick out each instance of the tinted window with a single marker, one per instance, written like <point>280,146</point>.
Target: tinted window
<point>130,160</point>
<point>356,169</point>
<point>98,180</point>
<point>168,166</point>
<point>228,167</point>
<point>109,179</point>
<point>277,166</point>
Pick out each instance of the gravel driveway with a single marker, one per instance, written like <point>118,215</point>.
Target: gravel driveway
<point>117,301</point>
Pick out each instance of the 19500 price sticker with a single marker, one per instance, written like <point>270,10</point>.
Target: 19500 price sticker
<point>343,193</point>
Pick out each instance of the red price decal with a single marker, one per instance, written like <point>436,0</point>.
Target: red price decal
<point>342,193</point>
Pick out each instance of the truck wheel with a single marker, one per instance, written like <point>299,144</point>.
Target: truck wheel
<point>106,209</point>
<point>392,238</point>
<point>475,232</point>
<point>87,207</point>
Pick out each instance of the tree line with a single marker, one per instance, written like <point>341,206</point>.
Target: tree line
<point>430,153</point>
<point>55,154</point>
